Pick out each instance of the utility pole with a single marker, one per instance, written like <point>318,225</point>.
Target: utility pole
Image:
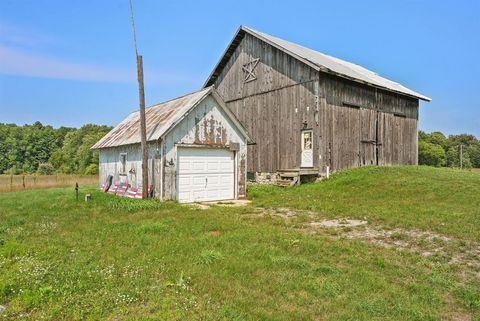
<point>141,97</point>
<point>461,156</point>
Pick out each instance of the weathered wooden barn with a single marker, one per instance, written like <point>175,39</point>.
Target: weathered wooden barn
<point>196,150</point>
<point>309,113</point>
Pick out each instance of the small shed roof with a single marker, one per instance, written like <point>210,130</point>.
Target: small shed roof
<point>160,119</point>
<point>316,60</point>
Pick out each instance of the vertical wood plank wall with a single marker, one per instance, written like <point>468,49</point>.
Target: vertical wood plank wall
<point>272,107</point>
<point>346,117</point>
<point>347,128</point>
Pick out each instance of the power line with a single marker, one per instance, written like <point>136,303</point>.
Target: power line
<point>133,28</point>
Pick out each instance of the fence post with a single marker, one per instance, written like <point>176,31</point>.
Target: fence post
<point>11,182</point>
<point>23,181</point>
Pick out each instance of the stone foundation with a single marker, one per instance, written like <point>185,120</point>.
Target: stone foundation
<point>272,178</point>
<point>263,178</point>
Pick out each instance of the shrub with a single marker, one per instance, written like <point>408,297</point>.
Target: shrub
<point>474,153</point>
<point>431,154</point>
<point>91,169</point>
<point>45,169</point>
<point>453,158</point>
<point>14,170</point>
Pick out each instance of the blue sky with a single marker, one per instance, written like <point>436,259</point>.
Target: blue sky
<point>72,62</point>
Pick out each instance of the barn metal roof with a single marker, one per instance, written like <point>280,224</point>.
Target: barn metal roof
<point>160,119</point>
<point>316,60</point>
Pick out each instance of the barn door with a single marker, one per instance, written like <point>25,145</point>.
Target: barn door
<point>385,132</point>
<point>368,137</point>
<point>307,148</point>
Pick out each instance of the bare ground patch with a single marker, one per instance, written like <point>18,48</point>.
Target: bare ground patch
<point>337,223</point>
<point>280,212</point>
<point>442,248</point>
<point>230,203</point>
<point>426,243</point>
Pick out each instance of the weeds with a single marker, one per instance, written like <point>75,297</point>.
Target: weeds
<point>152,228</point>
<point>208,257</point>
<point>134,205</point>
<point>470,295</point>
<point>116,258</point>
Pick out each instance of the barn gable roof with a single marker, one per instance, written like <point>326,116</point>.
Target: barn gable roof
<point>160,119</point>
<point>317,61</point>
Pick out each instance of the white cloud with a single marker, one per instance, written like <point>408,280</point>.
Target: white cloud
<point>21,37</point>
<point>23,63</point>
<point>19,62</point>
<point>22,54</point>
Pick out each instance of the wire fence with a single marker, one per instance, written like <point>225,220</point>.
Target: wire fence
<point>12,183</point>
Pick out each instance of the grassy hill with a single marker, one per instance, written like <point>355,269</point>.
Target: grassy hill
<point>442,200</point>
<point>122,259</point>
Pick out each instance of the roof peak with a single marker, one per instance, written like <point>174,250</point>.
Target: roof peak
<point>208,88</point>
<point>317,60</point>
<point>161,118</point>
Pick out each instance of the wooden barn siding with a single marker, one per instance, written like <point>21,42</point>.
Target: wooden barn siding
<point>275,70</point>
<point>347,128</point>
<point>275,120</point>
<point>266,107</point>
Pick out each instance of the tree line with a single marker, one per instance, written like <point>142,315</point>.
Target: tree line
<point>436,149</point>
<point>47,150</point>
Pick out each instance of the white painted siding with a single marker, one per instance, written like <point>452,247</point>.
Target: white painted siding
<point>109,159</point>
<point>206,125</point>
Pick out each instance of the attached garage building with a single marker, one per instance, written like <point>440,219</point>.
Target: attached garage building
<point>196,150</point>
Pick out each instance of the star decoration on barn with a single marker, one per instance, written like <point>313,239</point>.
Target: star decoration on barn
<point>249,70</point>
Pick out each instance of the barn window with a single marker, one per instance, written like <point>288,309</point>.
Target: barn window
<point>307,140</point>
<point>123,162</point>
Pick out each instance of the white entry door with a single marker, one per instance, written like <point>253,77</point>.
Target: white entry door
<point>205,174</point>
<point>307,148</point>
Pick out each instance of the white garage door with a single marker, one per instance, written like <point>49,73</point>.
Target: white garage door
<point>205,174</point>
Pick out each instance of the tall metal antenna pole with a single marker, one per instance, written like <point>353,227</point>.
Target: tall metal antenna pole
<point>141,97</point>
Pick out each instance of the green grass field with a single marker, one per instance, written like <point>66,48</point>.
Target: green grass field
<point>122,259</point>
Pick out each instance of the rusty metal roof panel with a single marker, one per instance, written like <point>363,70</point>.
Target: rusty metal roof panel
<point>159,118</point>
